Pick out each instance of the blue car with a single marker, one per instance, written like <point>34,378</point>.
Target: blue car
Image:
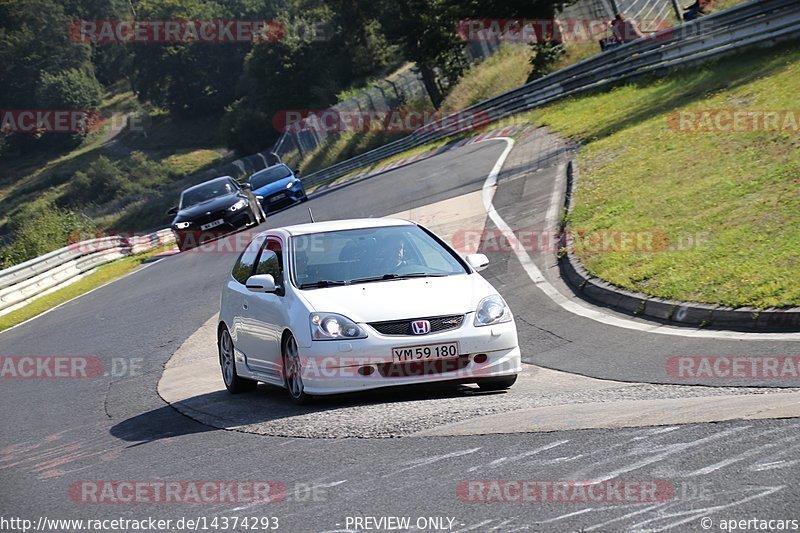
<point>277,187</point>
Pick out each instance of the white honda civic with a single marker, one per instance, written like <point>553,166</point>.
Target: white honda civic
<point>350,305</point>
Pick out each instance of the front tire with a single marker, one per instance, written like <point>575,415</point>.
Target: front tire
<point>293,372</point>
<point>496,384</point>
<point>227,362</point>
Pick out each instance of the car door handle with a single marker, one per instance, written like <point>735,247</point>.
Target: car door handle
<point>244,306</point>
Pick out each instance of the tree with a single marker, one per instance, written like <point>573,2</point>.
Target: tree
<point>41,67</point>
<point>192,78</point>
<point>426,32</point>
<point>302,70</point>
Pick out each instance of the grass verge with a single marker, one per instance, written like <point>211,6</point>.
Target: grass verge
<point>732,199</point>
<point>104,274</point>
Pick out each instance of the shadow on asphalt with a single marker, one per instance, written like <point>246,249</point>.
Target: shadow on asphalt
<point>270,403</point>
<point>157,424</point>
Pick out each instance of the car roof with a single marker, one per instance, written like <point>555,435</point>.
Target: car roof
<point>265,170</point>
<point>209,181</point>
<point>271,167</point>
<point>341,225</point>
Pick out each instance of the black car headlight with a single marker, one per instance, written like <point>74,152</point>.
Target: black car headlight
<point>241,204</point>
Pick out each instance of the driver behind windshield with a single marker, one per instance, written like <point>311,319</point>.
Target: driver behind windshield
<point>392,253</point>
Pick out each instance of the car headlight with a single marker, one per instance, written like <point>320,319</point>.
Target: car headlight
<point>259,198</point>
<point>182,225</point>
<point>492,310</point>
<point>238,205</point>
<point>330,326</point>
<point>292,184</point>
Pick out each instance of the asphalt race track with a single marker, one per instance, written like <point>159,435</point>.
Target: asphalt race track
<point>60,432</point>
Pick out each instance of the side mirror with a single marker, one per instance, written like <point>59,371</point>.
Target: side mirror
<point>478,262</point>
<point>172,211</point>
<point>261,283</point>
<point>296,172</point>
<point>246,185</point>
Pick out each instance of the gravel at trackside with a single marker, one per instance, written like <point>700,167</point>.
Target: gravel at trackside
<point>417,411</point>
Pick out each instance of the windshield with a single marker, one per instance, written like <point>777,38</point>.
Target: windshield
<point>372,254</point>
<point>206,191</point>
<point>269,175</point>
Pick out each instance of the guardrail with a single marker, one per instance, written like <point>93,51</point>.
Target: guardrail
<point>757,23</point>
<point>34,278</point>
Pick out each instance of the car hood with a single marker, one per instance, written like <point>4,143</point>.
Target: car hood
<point>215,204</point>
<point>274,187</point>
<point>399,299</point>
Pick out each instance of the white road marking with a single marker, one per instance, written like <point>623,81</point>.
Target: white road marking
<point>773,465</point>
<point>430,460</point>
<point>520,456</point>
<point>656,431</point>
<point>581,309</point>
<point>623,517</point>
<point>568,515</point>
<point>744,455</point>
<point>669,450</point>
<point>698,513</point>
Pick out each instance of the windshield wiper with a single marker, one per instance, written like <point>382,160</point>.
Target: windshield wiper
<point>387,277</point>
<point>323,283</point>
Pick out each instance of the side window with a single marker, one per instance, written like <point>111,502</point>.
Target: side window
<point>271,262</point>
<point>243,268</point>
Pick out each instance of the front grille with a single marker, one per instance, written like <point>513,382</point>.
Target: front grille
<point>278,197</point>
<point>422,368</point>
<point>205,219</point>
<point>403,327</point>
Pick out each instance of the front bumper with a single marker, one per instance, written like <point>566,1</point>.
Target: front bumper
<point>282,200</point>
<point>334,367</point>
<point>193,237</point>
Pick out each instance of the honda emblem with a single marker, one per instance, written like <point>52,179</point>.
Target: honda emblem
<point>420,327</point>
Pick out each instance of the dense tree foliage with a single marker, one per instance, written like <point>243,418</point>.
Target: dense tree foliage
<point>324,47</point>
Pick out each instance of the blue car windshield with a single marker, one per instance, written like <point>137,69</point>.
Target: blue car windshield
<point>269,175</point>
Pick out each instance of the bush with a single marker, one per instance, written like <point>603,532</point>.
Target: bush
<point>70,89</point>
<point>104,180</point>
<point>39,228</point>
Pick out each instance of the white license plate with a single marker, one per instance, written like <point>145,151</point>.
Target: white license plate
<point>212,224</point>
<point>279,196</point>
<point>420,352</point>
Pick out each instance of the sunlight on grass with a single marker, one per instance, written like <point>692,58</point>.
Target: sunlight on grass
<point>507,69</point>
<point>739,191</point>
<point>191,162</point>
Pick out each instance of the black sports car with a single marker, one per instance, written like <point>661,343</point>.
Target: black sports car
<point>212,209</point>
